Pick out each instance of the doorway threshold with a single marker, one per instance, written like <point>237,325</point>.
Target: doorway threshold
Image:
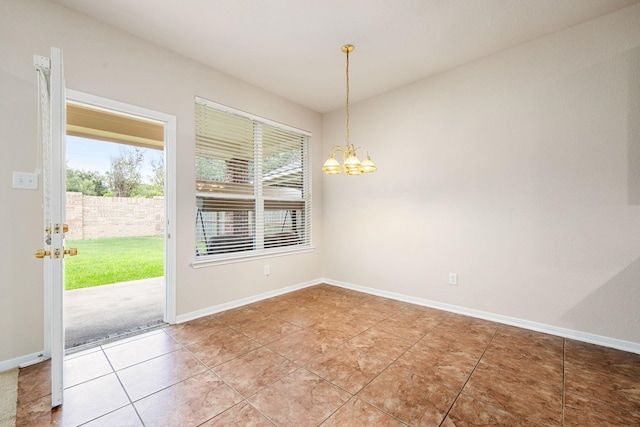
<point>115,337</point>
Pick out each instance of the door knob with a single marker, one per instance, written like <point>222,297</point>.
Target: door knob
<point>71,251</point>
<point>41,253</point>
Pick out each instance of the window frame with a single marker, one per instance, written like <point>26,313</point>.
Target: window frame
<point>258,197</point>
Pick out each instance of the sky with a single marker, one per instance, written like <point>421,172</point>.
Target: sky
<point>95,156</point>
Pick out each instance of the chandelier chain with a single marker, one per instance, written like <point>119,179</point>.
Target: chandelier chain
<point>347,109</point>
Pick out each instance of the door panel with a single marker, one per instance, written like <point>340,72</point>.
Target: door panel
<point>51,102</point>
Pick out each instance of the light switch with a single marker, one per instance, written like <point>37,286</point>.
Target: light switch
<point>25,180</point>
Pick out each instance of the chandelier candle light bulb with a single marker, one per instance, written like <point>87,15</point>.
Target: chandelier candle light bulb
<point>351,163</point>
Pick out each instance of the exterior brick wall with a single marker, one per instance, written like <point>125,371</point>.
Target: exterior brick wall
<point>93,217</point>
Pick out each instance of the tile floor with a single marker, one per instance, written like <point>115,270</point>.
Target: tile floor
<point>335,357</point>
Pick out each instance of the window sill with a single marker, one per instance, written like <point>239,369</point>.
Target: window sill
<point>213,260</point>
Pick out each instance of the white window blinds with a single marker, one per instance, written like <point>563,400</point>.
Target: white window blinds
<point>253,192</point>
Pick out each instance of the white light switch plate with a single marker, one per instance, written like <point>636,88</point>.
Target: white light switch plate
<point>25,180</point>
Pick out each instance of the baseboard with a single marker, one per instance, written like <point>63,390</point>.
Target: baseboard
<point>21,362</point>
<point>601,340</point>
<point>526,324</point>
<point>244,301</point>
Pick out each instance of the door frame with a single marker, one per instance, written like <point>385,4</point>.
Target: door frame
<point>169,121</point>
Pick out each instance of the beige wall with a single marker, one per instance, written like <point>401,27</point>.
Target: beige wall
<point>519,172</point>
<point>105,62</point>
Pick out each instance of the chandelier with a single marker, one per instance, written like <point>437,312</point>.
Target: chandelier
<point>351,165</point>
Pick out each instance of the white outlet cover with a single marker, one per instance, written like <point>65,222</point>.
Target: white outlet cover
<point>453,278</point>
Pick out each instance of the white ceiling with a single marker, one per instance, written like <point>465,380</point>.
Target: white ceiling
<point>292,47</point>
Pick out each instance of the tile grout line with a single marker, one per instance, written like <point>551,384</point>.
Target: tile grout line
<point>359,393</point>
<point>469,377</point>
<point>391,363</point>
<point>211,369</point>
<point>207,368</point>
<point>123,388</point>
<point>355,395</point>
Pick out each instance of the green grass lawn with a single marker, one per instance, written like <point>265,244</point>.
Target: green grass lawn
<point>113,260</point>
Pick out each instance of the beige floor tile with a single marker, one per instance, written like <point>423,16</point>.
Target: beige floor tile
<point>581,411</point>
<point>534,401</point>
<point>136,351</point>
<point>188,403</point>
<point>402,328</point>
<point>84,368</point>
<point>410,398</point>
<point>299,399</point>
<point>604,359</point>
<point>196,330</point>
<point>304,345</point>
<point>449,369</point>
<point>123,417</point>
<point>385,305</point>
<point>243,414</point>
<point>222,347</point>
<point>349,367</point>
<point>336,357</point>
<point>266,329</point>
<point>615,389</point>
<point>82,403</point>
<point>357,413</point>
<point>468,412</point>
<point>253,371</point>
<point>148,377</point>
<point>34,382</point>
<point>303,315</point>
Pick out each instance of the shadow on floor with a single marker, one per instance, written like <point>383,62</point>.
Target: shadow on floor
<point>112,311</point>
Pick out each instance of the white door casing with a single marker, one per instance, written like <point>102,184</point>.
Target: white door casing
<point>169,122</point>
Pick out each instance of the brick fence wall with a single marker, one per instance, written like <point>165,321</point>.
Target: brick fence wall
<point>93,217</point>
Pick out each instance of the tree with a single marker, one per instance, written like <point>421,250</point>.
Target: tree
<point>125,177</point>
<point>157,177</point>
<point>85,182</point>
<point>209,169</point>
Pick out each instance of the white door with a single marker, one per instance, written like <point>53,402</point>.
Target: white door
<point>52,112</point>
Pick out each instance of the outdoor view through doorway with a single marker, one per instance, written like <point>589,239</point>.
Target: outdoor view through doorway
<point>115,210</point>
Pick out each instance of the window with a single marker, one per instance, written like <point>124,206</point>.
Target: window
<point>253,194</point>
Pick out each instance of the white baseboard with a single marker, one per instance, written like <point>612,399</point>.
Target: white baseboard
<point>244,301</point>
<point>526,324</point>
<point>604,341</point>
<point>21,362</point>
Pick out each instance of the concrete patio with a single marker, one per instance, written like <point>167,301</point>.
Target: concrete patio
<point>112,311</point>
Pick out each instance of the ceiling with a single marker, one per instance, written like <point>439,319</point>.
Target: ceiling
<point>292,47</point>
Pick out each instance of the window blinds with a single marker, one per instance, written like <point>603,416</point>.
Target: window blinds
<point>252,184</point>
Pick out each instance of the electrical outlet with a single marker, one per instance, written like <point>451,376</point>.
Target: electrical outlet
<point>267,270</point>
<point>453,279</point>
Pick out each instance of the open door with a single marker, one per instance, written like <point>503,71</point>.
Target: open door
<point>52,126</point>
